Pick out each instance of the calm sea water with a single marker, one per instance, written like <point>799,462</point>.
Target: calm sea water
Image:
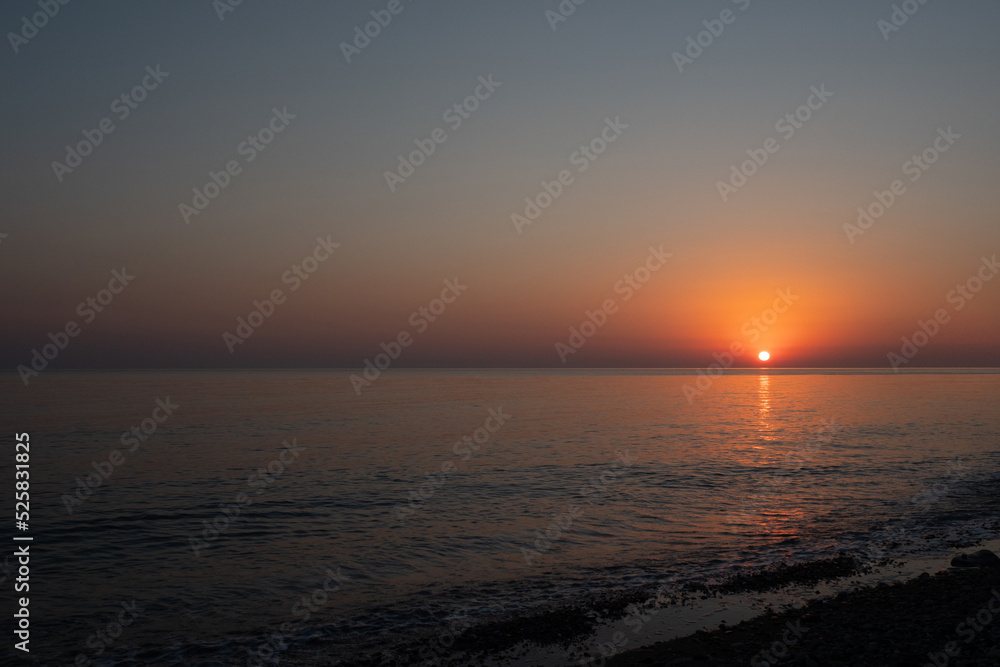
<point>435,494</point>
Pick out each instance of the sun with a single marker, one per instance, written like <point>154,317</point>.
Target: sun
<point>764,356</point>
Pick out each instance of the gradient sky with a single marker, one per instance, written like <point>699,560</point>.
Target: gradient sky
<point>656,185</point>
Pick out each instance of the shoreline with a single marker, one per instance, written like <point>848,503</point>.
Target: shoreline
<point>835,611</point>
<point>913,622</point>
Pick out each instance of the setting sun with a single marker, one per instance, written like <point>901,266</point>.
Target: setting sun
<point>764,356</point>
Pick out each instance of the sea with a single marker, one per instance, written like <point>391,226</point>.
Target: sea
<point>299,518</point>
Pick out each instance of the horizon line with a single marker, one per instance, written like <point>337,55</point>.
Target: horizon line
<point>529,368</point>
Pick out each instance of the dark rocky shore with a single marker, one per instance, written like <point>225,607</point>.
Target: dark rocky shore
<point>949,618</point>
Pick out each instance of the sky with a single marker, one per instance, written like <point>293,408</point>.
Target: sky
<point>634,137</point>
